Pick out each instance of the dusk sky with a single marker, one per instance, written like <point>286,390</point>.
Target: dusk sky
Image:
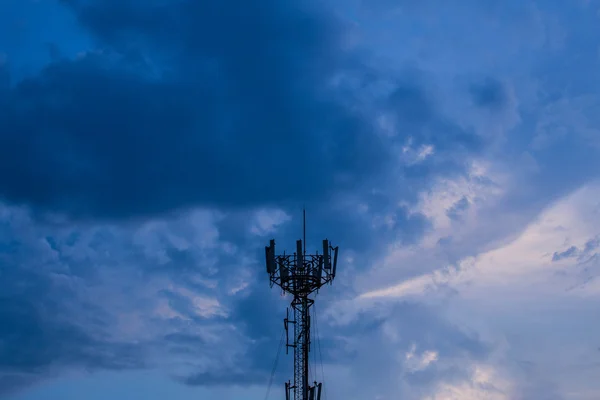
<point>150,149</point>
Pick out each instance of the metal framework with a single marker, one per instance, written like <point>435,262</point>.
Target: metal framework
<point>301,274</point>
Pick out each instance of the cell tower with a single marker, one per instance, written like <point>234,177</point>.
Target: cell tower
<point>301,274</point>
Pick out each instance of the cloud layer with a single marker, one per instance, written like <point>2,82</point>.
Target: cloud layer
<point>151,149</point>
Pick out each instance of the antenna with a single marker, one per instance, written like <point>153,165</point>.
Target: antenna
<point>300,275</point>
<point>304,227</point>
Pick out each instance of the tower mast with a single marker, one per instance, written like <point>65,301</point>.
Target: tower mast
<point>300,275</point>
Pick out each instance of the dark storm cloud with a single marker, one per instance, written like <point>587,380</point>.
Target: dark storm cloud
<point>240,112</point>
<point>202,103</point>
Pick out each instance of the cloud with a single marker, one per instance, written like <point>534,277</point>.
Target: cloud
<point>40,334</point>
<point>512,295</point>
<point>227,116</point>
<point>415,345</point>
<point>107,297</point>
<point>565,254</point>
<point>266,221</point>
<point>485,384</point>
<point>205,127</point>
<point>148,163</point>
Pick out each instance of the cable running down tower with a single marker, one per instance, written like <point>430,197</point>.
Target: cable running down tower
<point>301,274</point>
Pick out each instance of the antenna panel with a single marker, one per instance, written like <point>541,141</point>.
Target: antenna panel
<point>283,272</point>
<point>335,256</point>
<point>270,255</point>
<point>326,262</point>
<point>318,271</point>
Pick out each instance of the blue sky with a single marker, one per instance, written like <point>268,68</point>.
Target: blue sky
<point>149,149</point>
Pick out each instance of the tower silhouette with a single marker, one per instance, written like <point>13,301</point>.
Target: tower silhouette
<point>300,275</point>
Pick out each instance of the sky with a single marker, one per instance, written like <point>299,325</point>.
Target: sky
<point>149,149</point>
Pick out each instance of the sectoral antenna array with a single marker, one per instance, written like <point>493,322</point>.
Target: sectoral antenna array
<point>301,274</point>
